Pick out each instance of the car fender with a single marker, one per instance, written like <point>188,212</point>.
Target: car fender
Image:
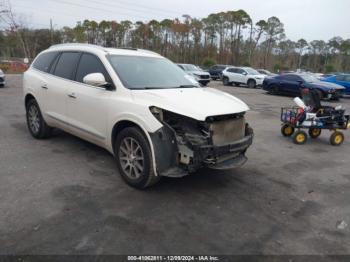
<point>144,123</point>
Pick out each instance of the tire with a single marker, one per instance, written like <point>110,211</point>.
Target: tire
<point>300,138</point>
<point>320,94</point>
<point>251,83</point>
<point>337,138</point>
<point>35,121</point>
<point>287,130</point>
<point>315,132</point>
<point>274,90</point>
<point>226,81</point>
<point>135,172</point>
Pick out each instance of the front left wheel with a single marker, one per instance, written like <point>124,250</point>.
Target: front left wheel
<point>134,158</point>
<point>35,121</point>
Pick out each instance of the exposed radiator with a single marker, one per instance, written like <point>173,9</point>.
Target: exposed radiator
<point>227,131</point>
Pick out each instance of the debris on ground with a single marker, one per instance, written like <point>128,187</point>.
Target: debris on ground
<point>341,225</point>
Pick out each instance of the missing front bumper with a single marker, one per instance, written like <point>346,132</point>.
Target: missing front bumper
<point>172,161</point>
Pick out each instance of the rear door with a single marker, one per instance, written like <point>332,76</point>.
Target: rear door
<point>241,76</point>
<point>87,106</point>
<point>290,84</point>
<point>62,72</point>
<point>42,66</point>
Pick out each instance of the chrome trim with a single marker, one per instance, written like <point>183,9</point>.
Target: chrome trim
<point>76,127</point>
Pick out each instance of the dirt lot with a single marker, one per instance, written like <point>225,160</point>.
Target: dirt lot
<point>64,195</point>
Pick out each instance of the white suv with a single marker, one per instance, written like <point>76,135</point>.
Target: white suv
<point>139,106</point>
<point>242,75</point>
<point>2,78</point>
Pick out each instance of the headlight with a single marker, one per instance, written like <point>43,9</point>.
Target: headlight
<point>331,91</point>
<point>157,112</point>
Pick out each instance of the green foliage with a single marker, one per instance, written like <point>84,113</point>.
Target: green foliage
<point>208,62</point>
<point>230,37</point>
<point>329,68</point>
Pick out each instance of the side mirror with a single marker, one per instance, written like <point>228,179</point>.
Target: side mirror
<point>300,82</point>
<point>95,79</point>
<point>244,73</point>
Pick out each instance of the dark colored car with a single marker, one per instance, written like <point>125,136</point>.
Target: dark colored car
<point>343,80</point>
<point>216,71</point>
<point>292,84</point>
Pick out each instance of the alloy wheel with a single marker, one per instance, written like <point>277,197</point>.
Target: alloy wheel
<point>34,119</point>
<point>131,158</point>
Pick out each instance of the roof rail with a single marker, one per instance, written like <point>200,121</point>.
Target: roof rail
<point>78,44</point>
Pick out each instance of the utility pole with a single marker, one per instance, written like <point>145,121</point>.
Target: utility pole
<point>51,31</point>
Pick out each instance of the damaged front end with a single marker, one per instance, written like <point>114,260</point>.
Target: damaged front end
<point>183,145</point>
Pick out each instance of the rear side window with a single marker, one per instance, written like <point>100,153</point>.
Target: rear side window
<point>340,78</point>
<point>44,61</point>
<point>67,64</point>
<point>90,64</point>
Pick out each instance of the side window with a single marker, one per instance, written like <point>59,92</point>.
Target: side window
<point>231,70</point>
<point>67,64</point>
<point>291,78</point>
<point>90,64</point>
<point>240,71</point>
<point>340,78</point>
<point>44,61</point>
<point>347,78</point>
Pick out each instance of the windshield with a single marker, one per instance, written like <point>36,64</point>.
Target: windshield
<point>251,71</point>
<point>138,72</point>
<point>190,68</point>
<point>309,78</point>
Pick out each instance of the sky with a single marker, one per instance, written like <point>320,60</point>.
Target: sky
<point>308,19</point>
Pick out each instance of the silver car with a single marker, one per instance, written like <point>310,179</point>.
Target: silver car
<point>198,74</point>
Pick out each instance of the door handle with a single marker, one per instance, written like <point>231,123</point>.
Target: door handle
<point>44,86</point>
<point>72,95</point>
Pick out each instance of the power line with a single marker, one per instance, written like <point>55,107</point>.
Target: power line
<point>140,8</point>
<point>94,8</point>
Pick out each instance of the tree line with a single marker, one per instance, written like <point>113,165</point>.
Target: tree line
<point>226,38</point>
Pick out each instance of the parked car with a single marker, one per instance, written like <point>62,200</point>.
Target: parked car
<point>2,78</point>
<point>198,74</point>
<point>266,72</point>
<point>216,71</point>
<point>343,80</point>
<point>242,75</point>
<point>15,65</point>
<point>138,105</point>
<point>292,84</point>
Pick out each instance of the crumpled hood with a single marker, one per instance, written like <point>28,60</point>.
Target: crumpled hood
<point>327,85</point>
<point>196,103</point>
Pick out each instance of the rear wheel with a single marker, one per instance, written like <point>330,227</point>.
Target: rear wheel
<point>337,138</point>
<point>287,130</point>
<point>226,81</point>
<point>315,132</point>
<point>35,121</point>
<point>134,158</point>
<point>300,137</point>
<point>274,90</point>
<point>251,83</point>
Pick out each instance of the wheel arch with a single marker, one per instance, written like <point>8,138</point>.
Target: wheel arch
<point>121,125</point>
<point>28,97</point>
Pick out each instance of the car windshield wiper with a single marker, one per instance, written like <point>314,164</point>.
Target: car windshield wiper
<point>151,87</point>
<point>187,86</point>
